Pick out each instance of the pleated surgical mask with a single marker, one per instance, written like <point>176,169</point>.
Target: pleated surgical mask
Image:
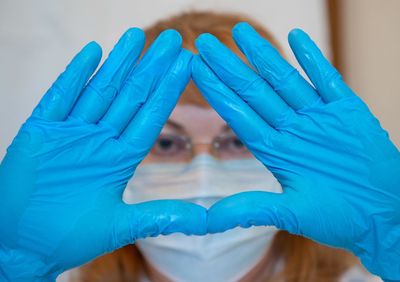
<point>214,257</point>
<point>204,177</point>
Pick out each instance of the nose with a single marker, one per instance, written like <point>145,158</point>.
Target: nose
<point>202,148</point>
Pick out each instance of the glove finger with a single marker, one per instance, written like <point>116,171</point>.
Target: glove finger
<point>285,79</point>
<point>254,90</point>
<point>58,101</point>
<point>102,89</point>
<point>247,124</point>
<point>160,217</point>
<point>143,79</point>
<point>322,74</point>
<point>252,209</point>
<point>145,127</point>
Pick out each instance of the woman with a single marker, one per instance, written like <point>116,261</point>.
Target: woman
<point>196,151</point>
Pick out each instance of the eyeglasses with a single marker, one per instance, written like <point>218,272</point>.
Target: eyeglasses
<point>174,147</point>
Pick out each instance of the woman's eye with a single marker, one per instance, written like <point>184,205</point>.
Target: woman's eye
<point>168,146</point>
<point>237,143</point>
<point>233,144</point>
<point>165,144</point>
<point>230,147</point>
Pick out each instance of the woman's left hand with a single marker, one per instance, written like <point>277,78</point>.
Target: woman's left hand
<point>338,168</point>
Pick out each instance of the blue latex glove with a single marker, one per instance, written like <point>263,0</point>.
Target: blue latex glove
<point>339,170</point>
<point>62,179</point>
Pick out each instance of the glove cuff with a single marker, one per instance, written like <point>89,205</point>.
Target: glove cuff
<point>384,261</point>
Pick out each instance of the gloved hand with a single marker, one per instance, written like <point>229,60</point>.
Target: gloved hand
<point>339,171</point>
<point>62,179</point>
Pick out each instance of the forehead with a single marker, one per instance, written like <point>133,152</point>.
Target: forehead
<point>196,120</point>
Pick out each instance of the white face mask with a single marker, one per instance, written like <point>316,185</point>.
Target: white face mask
<point>214,257</point>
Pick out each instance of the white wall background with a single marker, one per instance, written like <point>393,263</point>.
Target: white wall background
<point>38,38</point>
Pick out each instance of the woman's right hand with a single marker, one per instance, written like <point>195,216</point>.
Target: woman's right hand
<point>62,179</point>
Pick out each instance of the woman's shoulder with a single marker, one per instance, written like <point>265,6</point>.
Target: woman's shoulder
<point>68,276</point>
<point>354,274</point>
<point>358,274</point>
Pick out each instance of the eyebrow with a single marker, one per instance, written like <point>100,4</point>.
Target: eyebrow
<point>175,125</point>
<point>226,128</point>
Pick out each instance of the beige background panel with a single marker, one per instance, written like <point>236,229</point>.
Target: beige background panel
<point>369,36</point>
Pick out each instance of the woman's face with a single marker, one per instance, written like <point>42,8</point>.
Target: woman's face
<point>192,130</point>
